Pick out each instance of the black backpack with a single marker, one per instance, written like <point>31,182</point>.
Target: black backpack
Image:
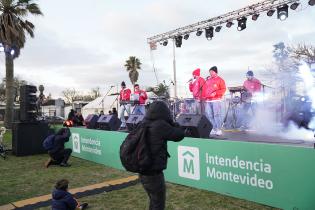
<point>135,153</point>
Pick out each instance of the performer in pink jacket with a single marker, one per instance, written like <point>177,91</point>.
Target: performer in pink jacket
<point>213,92</point>
<point>195,87</point>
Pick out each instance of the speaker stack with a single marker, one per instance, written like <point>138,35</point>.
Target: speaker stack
<point>133,121</point>
<point>109,122</point>
<point>91,121</point>
<point>197,126</point>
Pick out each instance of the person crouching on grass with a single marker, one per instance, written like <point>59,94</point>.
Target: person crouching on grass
<point>63,200</point>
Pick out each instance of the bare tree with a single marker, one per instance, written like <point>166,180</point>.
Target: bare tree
<point>96,92</point>
<point>70,95</point>
<point>303,52</point>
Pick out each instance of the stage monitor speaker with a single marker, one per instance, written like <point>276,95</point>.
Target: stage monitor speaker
<point>109,122</point>
<point>133,121</point>
<point>197,126</point>
<point>28,137</point>
<point>91,121</point>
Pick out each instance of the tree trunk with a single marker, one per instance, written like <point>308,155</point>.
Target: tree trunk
<point>9,91</point>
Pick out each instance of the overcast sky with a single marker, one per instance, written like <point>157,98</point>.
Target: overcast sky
<point>84,44</point>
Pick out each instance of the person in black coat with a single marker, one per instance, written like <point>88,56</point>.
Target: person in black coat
<point>62,199</point>
<point>59,155</point>
<point>161,129</point>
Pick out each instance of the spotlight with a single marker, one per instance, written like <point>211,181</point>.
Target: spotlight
<point>199,32</point>
<point>12,52</point>
<point>241,23</point>
<point>270,12</point>
<point>311,2</point>
<point>209,32</point>
<point>186,36</point>
<point>165,43</point>
<point>255,17</point>
<point>178,41</point>
<point>294,6</point>
<point>282,12</point>
<point>229,24</point>
<point>1,48</point>
<point>218,28</point>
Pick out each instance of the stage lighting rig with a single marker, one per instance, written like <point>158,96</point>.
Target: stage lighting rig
<point>209,32</point>
<point>311,2</point>
<point>255,17</point>
<point>282,12</point>
<point>229,24</point>
<point>165,43</point>
<point>178,41</point>
<point>186,36</point>
<point>270,12</point>
<point>228,19</point>
<point>218,28</point>
<point>241,23</point>
<point>294,6</point>
<point>199,32</point>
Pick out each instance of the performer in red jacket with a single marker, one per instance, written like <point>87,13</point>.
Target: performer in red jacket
<point>142,97</point>
<point>124,98</point>
<point>213,91</point>
<point>252,87</point>
<point>195,87</point>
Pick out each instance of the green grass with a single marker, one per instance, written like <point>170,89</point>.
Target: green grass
<point>26,177</point>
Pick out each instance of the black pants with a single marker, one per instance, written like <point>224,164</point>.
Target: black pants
<point>155,187</point>
<point>61,156</point>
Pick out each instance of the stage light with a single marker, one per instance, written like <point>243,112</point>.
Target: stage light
<point>311,2</point>
<point>178,41</point>
<point>165,43</point>
<point>229,24</point>
<point>294,6</point>
<point>255,17</point>
<point>1,48</point>
<point>218,28</point>
<point>12,52</point>
<point>282,12</point>
<point>199,32</point>
<point>186,36</point>
<point>209,32</point>
<point>241,23</point>
<point>270,12</point>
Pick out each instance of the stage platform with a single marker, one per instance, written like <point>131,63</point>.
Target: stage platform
<point>251,136</point>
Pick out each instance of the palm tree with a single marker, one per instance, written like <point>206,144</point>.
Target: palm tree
<point>13,29</point>
<point>132,65</point>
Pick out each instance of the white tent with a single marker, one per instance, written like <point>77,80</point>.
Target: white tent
<point>101,103</point>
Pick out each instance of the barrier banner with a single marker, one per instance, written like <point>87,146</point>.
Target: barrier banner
<point>275,175</point>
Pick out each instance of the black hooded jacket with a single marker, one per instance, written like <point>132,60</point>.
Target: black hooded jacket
<point>61,137</point>
<point>161,129</point>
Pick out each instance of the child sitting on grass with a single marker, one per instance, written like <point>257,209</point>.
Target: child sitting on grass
<point>63,200</point>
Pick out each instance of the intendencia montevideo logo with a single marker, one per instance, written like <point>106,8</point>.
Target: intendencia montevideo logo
<point>251,167</point>
<point>76,142</point>
<point>188,162</point>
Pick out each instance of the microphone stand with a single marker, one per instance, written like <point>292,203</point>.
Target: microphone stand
<point>104,98</point>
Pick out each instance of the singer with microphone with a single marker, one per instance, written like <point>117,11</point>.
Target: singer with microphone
<point>252,87</point>
<point>195,87</point>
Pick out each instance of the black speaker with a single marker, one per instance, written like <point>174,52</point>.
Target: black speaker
<point>28,137</point>
<point>197,126</point>
<point>28,103</point>
<point>133,121</point>
<point>91,121</point>
<point>109,122</point>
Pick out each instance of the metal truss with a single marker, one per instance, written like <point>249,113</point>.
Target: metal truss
<point>222,19</point>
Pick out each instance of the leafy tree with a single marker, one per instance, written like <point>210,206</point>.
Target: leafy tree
<point>14,27</point>
<point>161,90</point>
<point>16,88</point>
<point>132,65</point>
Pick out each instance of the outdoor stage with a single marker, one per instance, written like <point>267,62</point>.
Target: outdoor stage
<point>267,170</point>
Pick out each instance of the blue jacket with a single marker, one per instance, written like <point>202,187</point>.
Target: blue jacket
<point>63,200</point>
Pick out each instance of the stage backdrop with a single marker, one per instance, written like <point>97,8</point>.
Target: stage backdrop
<point>275,175</point>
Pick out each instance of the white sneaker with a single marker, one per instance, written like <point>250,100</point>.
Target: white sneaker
<point>213,132</point>
<point>218,132</point>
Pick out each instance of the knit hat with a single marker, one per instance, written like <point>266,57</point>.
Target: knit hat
<point>214,68</point>
<point>250,73</point>
<point>196,72</point>
<point>123,84</point>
